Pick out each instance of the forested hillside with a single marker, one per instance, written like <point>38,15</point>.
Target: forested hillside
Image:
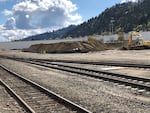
<point>58,34</point>
<point>124,17</point>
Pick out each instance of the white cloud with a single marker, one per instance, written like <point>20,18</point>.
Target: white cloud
<point>10,23</point>
<point>133,0</point>
<point>123,1</point>
<point>2,0</point>
<point>7,12</point>
<point>39,14</point>
<point>15,34</point>
<point>32,14</point>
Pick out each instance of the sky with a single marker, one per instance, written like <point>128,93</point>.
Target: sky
<point>22,18</point>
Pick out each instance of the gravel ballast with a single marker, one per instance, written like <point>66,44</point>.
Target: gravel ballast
<point>133,56</point>
<point>95,95</point>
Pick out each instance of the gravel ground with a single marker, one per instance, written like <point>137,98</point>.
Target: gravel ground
<point>95,95</point>
<point>133,56</point>
<point>7,103</point>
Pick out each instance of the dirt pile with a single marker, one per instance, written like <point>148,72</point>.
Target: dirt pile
<point>1,49</point>
<point>68,47</point>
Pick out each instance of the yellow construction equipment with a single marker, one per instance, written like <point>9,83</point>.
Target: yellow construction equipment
<point>139,43</point>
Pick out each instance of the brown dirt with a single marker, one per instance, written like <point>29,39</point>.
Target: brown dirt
<point>68,47</point>
<point>119,45</point>
<point>1,49</point>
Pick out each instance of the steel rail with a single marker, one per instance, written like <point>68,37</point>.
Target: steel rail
<point>17,98</point>
<point>120,64</point>
<point>137,65</point>
<point>102,71</point>
<point>94,75</point>
<point>58,98</point>
<point>89,70</point>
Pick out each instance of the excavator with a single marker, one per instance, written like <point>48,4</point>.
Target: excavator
<point>137,44</point>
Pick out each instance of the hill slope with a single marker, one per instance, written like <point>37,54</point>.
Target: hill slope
<point>51,35</point>
<point>127,17</point>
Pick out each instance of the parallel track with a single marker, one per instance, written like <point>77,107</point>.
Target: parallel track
<point>133,81</point>
<point>119,64</point>
<point>36,98</point>
<point>137,82</point>
<point>146,66</point>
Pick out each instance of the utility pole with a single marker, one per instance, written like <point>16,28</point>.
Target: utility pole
<point>112,24</point>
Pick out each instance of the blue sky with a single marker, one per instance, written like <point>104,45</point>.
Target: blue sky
<point>86,8</point>
<point>92,8</point>
<point>22,18</point>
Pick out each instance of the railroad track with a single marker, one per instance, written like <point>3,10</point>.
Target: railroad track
<point>129,80</point>
<point>119,64</point>
<point>35,98</point>
<point>7,103</point>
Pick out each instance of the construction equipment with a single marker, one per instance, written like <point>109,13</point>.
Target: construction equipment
<point>139,43</point>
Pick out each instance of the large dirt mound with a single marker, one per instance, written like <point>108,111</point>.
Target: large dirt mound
<point>68,47</point>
